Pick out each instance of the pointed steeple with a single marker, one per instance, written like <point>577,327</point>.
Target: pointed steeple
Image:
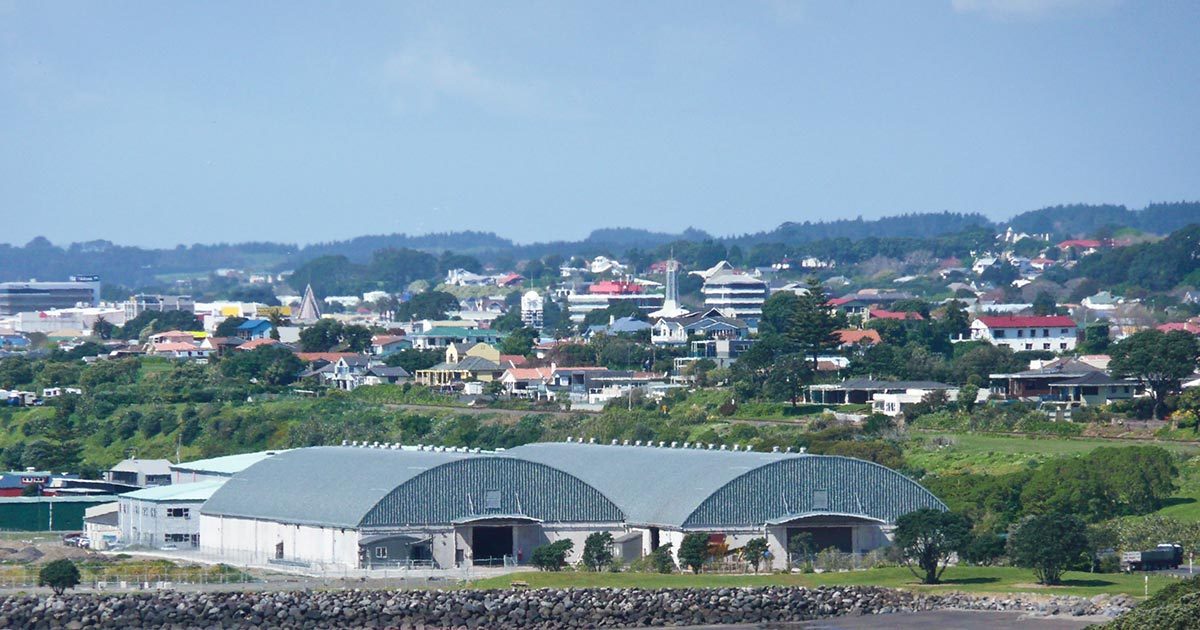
<point>310,312</point>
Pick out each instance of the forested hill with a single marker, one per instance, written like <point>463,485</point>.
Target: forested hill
<point>1085,220</point>
<point>136,266</point>
<point>905,226</point>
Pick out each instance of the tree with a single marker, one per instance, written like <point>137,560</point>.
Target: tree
<point>519,341</point>
<point>777,312</point>
<point>693,551</point>
<point>928,537</point>
<point>787,378</point>
<point>553,556</point>
<point>812,325</point>
<point>1048,544</point>
<point>801,545</point>
<point>59,575</point>
<point>755,551</point>
<point>984,549</point>
<point>355,338</point>
<point>1044,304</point>
<point>597,550</point>
<point>1160,360</point>
<point>427,305</point>
<point>103,328</point>
<point>412,359</point>
<point>956,323</point>
<point>228,328</point>
<point>967,395</point>
<point>321,336</point>
<point>1095,338</point>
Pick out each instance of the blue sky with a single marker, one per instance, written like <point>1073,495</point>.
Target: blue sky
<point>157,123</point>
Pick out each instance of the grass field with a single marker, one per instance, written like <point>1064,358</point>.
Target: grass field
<point>998,454</point>
<point>964,579</point>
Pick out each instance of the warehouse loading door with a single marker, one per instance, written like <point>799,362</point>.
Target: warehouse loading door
<point>489,545</point>
<point>840,538</point>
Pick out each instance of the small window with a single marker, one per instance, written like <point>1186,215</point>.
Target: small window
<point>820,500</point>
<point>1020,333</point>
<point>999,334</point>
<point>491,500</point>
<point>381,552</point>
<point>1045,332</point>
<point>1062,346</point>
<point>1029,346</point>
<point>1045,346</point>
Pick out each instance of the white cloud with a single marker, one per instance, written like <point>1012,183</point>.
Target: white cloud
<point>1030,9</point>
<point>425,75</point>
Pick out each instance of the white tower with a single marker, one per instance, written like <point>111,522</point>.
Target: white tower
<point>671,306</point>
<point>532,310</point>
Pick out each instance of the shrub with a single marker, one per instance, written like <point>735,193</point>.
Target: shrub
<point>597,550</point>
<point>661,560</point>
<point>693,551</point>
<point>552,557</point>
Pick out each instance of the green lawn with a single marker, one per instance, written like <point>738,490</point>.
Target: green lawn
<point>997,454</point>
<point>966,579</point>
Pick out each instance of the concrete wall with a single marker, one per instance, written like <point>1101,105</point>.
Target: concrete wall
<point>250,541</point>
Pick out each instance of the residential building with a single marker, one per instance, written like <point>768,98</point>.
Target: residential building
<point>33,296</point>
<point>601,295</point>
<point>254,329</point>
<point>710,324</point>
<point>863,391</point>
<point>384,345</point>
<point>736,295</point>
<point>1035,383</point>
<point>1094,388</point>
<point>464,362</point>
<point>443,336</point>
<point>1054,333</point>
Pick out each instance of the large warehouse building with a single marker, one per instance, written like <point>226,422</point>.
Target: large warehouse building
<point>359,506</point>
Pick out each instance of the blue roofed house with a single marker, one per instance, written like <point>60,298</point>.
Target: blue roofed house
<point>619,326</point>
<point>254,329</point>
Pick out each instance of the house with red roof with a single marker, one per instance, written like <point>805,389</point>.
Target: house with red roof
<point>878,313</point>
<point>1055,333</point>
<point>1191,326</point>
<point>851,337</point>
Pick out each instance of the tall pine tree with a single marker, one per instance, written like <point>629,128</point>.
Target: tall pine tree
<point>813,326</point>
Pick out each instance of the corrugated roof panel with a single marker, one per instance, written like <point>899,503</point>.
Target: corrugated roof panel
<point>333,486</point>
<point>484,486</point>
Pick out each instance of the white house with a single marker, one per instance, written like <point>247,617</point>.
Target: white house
<point>1055,333</point>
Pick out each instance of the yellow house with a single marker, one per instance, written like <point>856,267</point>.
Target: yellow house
<point>464,362</point>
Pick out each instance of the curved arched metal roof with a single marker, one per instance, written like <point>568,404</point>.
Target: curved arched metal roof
<point>492,487</point>
<point>332,486</point>
<point>695,488</point>
<point>564,482</point>
<point>812,485</point>
<point>380,487</point>
<point>654,486</point>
